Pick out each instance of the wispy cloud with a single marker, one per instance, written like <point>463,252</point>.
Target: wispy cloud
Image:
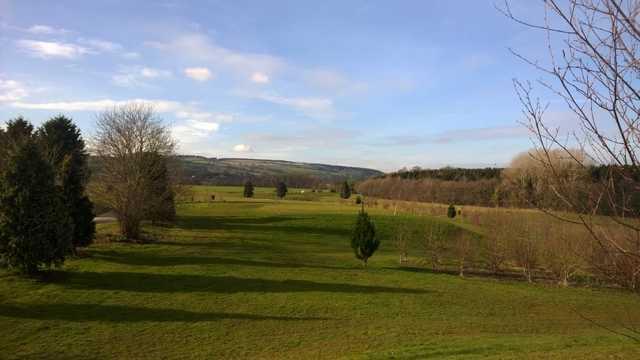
<point>96,105</point>
<point>46,30</point>
<point>12,90</point>
<point>454,136</point>
<point>52,49</point>
<point>101,45</point>
<point>202,48</point>
<point>137,76</point>
<point>318,107</point>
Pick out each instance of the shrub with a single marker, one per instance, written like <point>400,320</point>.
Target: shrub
<point>451,211</point>
<point>364,241</point>
<point>359,200</point>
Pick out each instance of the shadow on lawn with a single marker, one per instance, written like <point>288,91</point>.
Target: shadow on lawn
<point>140,259</point>
<point>262,224</point>
<point>121,313</point>
<point>169,283</point>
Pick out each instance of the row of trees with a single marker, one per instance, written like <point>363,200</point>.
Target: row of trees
<point>44,211</point>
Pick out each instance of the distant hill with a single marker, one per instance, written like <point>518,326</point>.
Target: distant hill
<point>235,171</point>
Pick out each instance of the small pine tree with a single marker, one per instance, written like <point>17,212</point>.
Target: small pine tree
<point>345,191</point>
<point>364,241</point>
<point>281,190</point>
<point>36,229</point>
<point>451,211</point>
<point>248,189</point>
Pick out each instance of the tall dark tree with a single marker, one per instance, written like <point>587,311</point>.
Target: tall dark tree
<point>281,190</point>
<point>451,211</point>
<point>364,241</point>
<point>248,189</point>
<point>345,191</point>
<point>35,226</point>
<point>64,148</point>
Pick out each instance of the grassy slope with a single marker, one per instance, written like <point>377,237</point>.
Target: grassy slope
<point>276,279</point>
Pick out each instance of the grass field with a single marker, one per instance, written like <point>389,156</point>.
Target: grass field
<point>276,279</point>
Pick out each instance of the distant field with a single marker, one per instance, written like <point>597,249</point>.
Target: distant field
<point>267,278</point>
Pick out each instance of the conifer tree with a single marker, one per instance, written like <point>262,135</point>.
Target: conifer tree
<point>63,147</point>
<point>345,191</point>
<point>281,190</point>
<point>451,211</point>
<point>364,241</point>
<point>35,226</point>
<point>248,189</point>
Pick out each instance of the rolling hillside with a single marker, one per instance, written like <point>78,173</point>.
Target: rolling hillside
<point>234,171</point>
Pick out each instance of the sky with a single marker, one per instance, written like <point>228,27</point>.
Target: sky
<point>381,84</point>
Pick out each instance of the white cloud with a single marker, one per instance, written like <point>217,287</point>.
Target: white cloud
<point>198,73</point>
<point>242,148</point>
<point>260,78</point>
<point>136,76</point>
<point>193,131</point>
<point>46,30</point>
<point>101,45</point>
<point>12,90</point>
<point>97,105</point>
<point>51,49</point>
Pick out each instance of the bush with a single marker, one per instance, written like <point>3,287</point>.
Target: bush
<point>451,211</point>
<point>364,241</point>
<point>359,200</point>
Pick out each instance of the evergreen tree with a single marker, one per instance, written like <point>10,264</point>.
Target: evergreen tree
<point>248,189</point>
<point>63,146</point>
<point>281,190</point>
<point>451,211</point>
<point>345,191</point>
<point>364,241</point>
<point>35,226</point>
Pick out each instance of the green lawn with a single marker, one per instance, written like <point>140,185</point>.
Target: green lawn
<point>276,279</point>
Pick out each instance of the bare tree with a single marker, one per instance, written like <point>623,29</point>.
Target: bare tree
<point>495,243</point>
<point>401,238</point>
<point>594,67</point>
<point>131,144</point>
<point>434,244</point>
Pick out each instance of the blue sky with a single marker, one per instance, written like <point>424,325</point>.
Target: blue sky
<point>382,84</point>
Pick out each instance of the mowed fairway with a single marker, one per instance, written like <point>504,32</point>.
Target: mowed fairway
<point>277,279</point>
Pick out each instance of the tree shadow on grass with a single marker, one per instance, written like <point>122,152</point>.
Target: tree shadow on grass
<point>142,259</point>
<point>181,283</point>
<point>122,313</point>
<point>261,224</point>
